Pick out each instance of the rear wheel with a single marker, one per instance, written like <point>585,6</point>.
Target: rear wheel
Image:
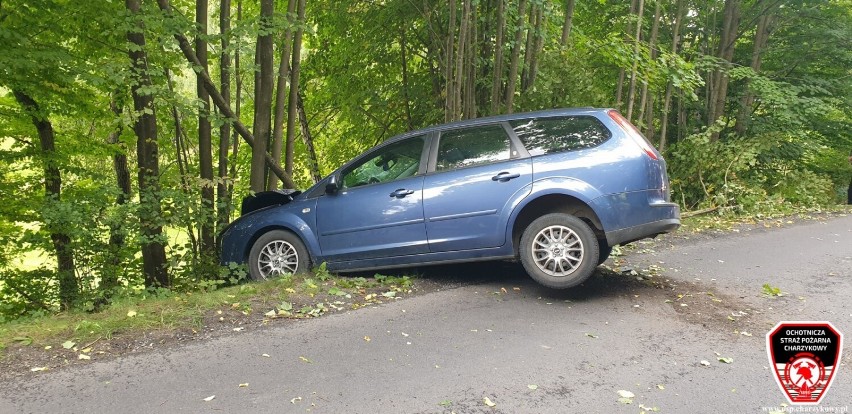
<point>276,253</point>
<point>559,250</point>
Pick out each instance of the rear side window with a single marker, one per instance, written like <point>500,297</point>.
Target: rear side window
<point>472,146</point>
<point>549,135</point>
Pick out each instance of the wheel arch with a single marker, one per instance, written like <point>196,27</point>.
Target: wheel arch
<point>300,229</point>
<point>554,203</point>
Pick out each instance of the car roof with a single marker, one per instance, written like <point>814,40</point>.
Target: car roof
<point>498,118</point>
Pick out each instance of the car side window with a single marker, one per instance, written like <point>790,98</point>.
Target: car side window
<point>472,146</point>
<point>549,135</point>
<point>393,162</point>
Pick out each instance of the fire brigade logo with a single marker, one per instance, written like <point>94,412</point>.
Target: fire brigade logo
<point>804,356</point>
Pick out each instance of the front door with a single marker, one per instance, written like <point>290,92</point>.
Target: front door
<point>378,211</point>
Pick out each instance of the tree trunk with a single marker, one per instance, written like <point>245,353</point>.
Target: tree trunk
<point>529,47</point>
<point>470,63</point>
<point>403,44</point>
<point>516,56</point>
<point>66,271</point>
<point>449,59</point>
<point>263,97</point>
<point>205,141</point>
<point>540,27</point>
<point>238,94</point>
<point>569,18</point>
<point>294,92</point>
<point>223,199</point>
<point>646,116</point>
<point>497,79</point>
<point>150,216</point>
<point>631,91</point>
<point>460,61</point>
<point>622,73</point>
<point>182,160</point>
<point>308,140</point>
<point>670,87</point>
<point>219,101</point>
<point>719,91</point>
<point>109,277</point>
<point>281,95</point>
<point>761,36</point>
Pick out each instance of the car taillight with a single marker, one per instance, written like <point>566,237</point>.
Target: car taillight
<point>634,133</point>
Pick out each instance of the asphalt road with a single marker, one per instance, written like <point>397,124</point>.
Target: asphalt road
<point>525,348</point>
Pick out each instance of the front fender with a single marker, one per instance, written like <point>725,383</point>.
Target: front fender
<point>298,218</point>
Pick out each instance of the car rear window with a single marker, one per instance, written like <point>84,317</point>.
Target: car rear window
<point>559,134</point>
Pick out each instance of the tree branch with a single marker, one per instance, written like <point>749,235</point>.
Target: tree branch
<point>219,101</point>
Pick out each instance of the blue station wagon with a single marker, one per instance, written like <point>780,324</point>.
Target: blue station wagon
<point>554,189</point>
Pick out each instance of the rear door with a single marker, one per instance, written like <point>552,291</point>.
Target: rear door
<point>378,211</point>
<point>477,171</point>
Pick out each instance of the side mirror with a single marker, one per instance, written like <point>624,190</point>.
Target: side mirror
<point>332,185</point>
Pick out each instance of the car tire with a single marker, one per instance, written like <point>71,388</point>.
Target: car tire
<point>559,250</point>
<point>278,252</point>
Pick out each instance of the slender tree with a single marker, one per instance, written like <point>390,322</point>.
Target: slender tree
<point>205,141</point>
<point>294,90</point>
<point>263,97</point>
<point>664,123</point>
<point>150,216</point>
<point>725,53</point>
<point>223,196</point>
<point>281,91</point>
<point>569,20</point>
<point>516,56</point>
<point>631,91</point>
<point>66,271</point>
<point>497,77</point>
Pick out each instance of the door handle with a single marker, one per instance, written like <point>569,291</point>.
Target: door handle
<point>401,193</point>
<point>504,176</point>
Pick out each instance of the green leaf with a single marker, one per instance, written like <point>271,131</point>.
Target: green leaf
<point>68,344</point>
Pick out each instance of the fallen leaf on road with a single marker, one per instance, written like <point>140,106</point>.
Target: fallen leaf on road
<point>725,360</point>
<point>367,338</point>
<point>626,397</point>
<point>661,386</point>
<point>293,401</point>
<point>744,333</point>
<point>265,355</point>
<point>271,314</point>
<point>532,387</point>
<point>210,398</point>
<point>244,385</point>
<point>68,344</point>
<point>38,369</point>
<point>591,335</point>
<point>84,356</point>
<point>487,401</point>
<point>306,360</point>
<point>705,362</point>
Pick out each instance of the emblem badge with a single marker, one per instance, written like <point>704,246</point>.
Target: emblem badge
<point>804,358</point>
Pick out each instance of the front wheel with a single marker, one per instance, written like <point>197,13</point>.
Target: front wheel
<point>276,253</point>
<point>559,250</point>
